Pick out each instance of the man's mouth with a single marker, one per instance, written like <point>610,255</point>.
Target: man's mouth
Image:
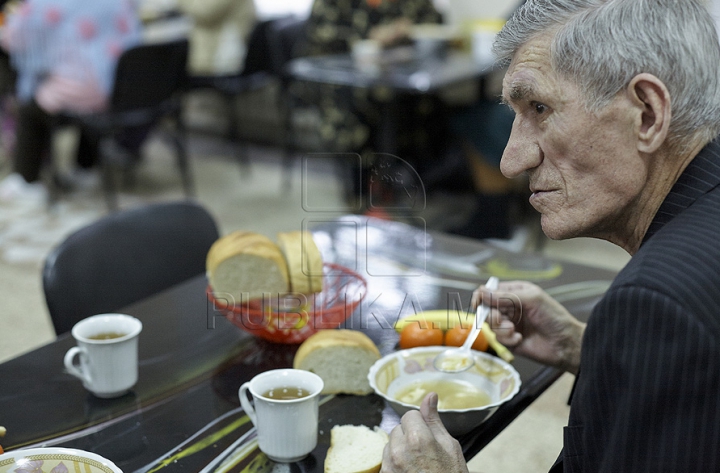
<point>538,195</point>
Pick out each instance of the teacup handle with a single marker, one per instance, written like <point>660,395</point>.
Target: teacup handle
<point>245,403</point>
<point>72,368</point>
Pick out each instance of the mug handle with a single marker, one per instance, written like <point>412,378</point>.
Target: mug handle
<point>72,368</point>
<point>245,403</point>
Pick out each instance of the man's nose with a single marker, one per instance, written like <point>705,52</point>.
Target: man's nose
<point>522,152</point>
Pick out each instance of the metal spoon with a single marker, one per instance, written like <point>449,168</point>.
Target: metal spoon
<point>455,360</point>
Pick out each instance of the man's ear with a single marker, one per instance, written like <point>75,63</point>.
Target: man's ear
<point>652,100</point>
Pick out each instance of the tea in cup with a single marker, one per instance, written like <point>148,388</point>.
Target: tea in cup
<point>106,354</point>
<point>285,412</point>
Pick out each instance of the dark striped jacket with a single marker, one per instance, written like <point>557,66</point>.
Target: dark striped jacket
<point>647,398</point>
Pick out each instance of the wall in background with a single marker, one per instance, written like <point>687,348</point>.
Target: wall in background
<point>267,9</point>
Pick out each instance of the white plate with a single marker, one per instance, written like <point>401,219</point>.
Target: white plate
<point>55,460</point>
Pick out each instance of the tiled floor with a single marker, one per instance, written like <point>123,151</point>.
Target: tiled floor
<point>253,199</point>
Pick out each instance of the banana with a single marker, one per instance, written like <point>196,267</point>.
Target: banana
<point>442,319</point>
<point>447,319</point>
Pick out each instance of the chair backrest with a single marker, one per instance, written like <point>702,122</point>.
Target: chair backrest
<point>285,35</point>
<point>149,74</point>
<point>124,257</point>
<point>258,57</point>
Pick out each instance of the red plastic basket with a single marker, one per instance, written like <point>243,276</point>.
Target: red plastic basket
<point>292,318</point>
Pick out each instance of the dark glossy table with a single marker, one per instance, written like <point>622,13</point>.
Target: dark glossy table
<point>184,415</point>
<point>402,69</point>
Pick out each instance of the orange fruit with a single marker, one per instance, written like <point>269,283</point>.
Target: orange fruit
<point>456,336</point>
<point>415,335</point>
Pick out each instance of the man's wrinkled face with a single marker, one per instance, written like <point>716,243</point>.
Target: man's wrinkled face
<point>584,170</point>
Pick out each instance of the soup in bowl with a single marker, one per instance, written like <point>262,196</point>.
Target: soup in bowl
<point>465,399</point>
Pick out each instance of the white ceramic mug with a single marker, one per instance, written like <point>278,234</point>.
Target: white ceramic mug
<point>366,54</point>
<point>287,429</point>
<point>107,367</point>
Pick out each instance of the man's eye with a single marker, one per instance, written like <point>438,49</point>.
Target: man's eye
<point>539,108</point>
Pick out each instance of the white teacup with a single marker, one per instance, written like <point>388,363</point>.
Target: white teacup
<point>366,55</point>
<point>107,348</point>
<point>287,428</point>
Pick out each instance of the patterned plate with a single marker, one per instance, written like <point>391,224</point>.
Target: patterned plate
<point>55,460</point>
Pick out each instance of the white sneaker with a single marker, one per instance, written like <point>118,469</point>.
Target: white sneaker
<point>14,188</point>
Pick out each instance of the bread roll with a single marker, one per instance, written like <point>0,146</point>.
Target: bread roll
<point>245,265</point>
<point>355,449</point>
<point>305,264</point>
<point>342,358</point>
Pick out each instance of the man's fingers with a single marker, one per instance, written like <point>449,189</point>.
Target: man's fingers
<point>428,409</point>
<point>386,464</point>
<point>506,334</point>
<point>482,295</point>
<point>495,318</point>
<point>396,432</point>
<point>396,442</point>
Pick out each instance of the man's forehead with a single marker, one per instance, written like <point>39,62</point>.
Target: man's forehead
<point>528,71</point>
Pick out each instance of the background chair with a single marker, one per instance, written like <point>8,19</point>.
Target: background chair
<point>124,257</point>
<point>148,83</point>
<point>271,44</point>
<point>256,74</point>
<point>285,35</point>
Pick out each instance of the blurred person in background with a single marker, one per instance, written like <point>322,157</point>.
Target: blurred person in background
<point>429,128</point>
<point>65,53</point>
<point>480,132</point>
<point>8,104</point>
<point>218,39</point>
<point>334,25</point>
<point>349,115</point>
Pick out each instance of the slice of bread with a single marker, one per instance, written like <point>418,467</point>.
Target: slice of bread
<point>355,449</point>
<point>342,358</point>
<point>246,265</point>
<point>305,264</point>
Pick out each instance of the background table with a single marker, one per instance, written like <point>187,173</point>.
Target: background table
<point>402,70</point>
<point>184,415</point>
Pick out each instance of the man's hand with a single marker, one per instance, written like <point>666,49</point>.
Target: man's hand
<point>533,324</point>
<point>422,444</point>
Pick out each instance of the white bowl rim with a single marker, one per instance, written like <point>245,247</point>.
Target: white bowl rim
<point>376,367</point>
<point>21,453</point>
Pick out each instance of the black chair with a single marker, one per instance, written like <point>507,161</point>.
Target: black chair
<point>285,36</point>
<point>271,44</point>
<point>149,81</point>
<point>124,257</point>
<point>256,74</point>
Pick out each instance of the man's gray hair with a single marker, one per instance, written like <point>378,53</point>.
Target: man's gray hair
<point>602,44</point>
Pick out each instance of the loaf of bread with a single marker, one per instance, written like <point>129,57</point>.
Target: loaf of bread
<point>244,265</point>
<point>342,358</point>
<point>355,449</point>
<point>304,261</point>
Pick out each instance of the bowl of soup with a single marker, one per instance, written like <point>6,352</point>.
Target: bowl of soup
<point>465,399</point>
<point>55,460</point>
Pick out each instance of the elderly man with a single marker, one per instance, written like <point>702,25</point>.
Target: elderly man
<point>617,105</point>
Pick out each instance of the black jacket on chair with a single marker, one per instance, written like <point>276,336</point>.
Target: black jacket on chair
<point>647,398</point>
